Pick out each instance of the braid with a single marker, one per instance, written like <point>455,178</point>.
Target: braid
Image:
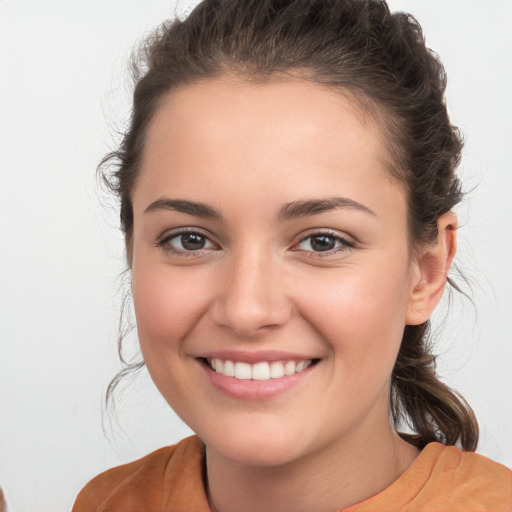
<point>433,410</point>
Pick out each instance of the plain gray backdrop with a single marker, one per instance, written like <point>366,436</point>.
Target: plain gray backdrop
<point>64,91</point>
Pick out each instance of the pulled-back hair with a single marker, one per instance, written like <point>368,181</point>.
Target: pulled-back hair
<point>357,47</point>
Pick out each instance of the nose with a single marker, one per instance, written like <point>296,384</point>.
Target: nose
<point>252,298</point>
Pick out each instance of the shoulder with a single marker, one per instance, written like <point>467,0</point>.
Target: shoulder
<point>466,467</point>
<point>444,478</point>
<point>157,480</point>
<point>460,481</point>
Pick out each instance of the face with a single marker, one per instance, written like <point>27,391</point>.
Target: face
<point>271,243</point>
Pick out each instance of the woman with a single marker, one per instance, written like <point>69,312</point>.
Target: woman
<point>286,190</point>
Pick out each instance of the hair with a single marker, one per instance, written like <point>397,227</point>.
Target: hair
<point>356,47</point>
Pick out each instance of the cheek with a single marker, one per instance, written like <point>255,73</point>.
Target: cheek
<point>167,305</point>
<point>361,315</point>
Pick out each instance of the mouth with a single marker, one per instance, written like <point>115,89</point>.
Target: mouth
<point>261,371</point>
<point>256,376</point>
<point>258,379</point>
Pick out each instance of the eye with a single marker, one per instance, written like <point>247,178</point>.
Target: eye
<point>186,242</point>
<point>323,243</point>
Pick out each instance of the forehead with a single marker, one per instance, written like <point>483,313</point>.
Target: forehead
<point>276,104</point>
<point>293,134</point>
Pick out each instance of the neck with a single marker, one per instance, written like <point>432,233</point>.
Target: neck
<point>341,474</point>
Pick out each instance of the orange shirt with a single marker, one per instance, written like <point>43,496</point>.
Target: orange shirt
<point>441,479</point>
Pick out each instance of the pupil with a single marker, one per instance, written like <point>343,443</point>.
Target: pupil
<point>322,243</point>
<point>192,241</point>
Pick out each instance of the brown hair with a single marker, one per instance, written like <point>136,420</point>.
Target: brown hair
<point>357,47</point>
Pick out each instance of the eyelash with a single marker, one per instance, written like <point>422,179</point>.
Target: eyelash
<point>164,242</point>
<point>344,244</point>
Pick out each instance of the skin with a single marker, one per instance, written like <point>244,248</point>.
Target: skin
<point>258,284</point>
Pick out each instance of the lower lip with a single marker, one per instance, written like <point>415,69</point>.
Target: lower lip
<point>254,389</point>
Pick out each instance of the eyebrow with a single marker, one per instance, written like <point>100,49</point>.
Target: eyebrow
<point>289,211</point>
<point>309,207</point>
<point>182,205</point>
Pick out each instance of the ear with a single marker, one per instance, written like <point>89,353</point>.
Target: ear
<point>430,271</point>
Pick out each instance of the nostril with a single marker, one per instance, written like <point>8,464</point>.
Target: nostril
<point>248,316</point>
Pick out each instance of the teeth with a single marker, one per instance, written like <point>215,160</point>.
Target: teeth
<point>258,371</point>
<point>219,366</point>
<point>243,371</point>
<point>300,366</point>
<point>229,369</point>
<point>276,370</point>
<point>261,371</point>
<point>289,368</point>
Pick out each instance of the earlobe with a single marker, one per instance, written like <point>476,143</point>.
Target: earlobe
<point>431,271</point>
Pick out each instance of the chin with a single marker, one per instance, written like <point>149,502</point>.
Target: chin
<point>258,454</point>
<point>256,448</point>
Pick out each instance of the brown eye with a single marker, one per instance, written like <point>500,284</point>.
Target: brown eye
<point>192,241</point>
<point>186,242</point>
<point>322,243</point>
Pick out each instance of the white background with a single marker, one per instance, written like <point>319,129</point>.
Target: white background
<point>64,91</point>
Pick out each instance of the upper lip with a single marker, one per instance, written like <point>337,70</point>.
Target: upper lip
<point>254,357</point>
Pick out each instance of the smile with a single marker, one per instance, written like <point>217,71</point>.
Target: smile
<point>258,371</point>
